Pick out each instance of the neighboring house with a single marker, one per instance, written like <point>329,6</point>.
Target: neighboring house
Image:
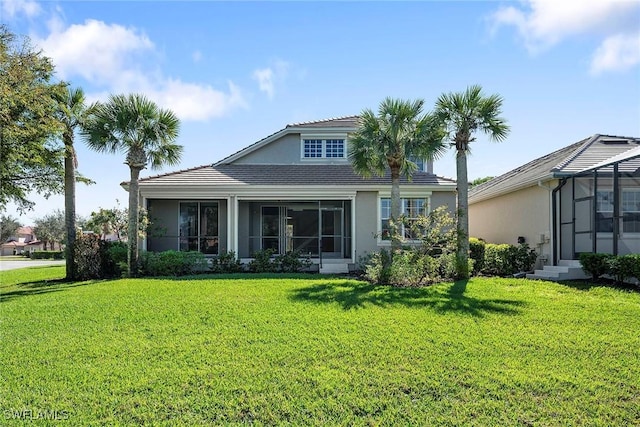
<point>293,190</point>
<point>24,240</point>
<point>581,198</point>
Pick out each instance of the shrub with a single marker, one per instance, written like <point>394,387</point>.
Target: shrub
<point>595,264</point>
<point>525,257</point>
<point>47,255</point>
<point>476,253</point>
<point>226,263</point>
<point>93,259</point>
<point>624,267</point>
<point>505,260</point>
<point>172,263</point>
<point>498,260</point>
<point>262,262</point>
<point>377,268</point>
<point>292,262</point>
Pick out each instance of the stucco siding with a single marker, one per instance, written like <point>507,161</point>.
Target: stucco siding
<point>284,151</point>
<point>503,219</point>
<point>366,211</point>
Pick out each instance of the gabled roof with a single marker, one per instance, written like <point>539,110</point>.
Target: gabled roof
<point>348,123</point>
<point>575,158</point>
<point>281,175</point>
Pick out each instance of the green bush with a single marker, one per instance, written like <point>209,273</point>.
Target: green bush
<point>498,259</point>
<point>476,253</point>
<point>624,267</point>
<point>525,257</point>
<point>262,262</point>
<point>505,260</point>
<point>172,263</point>
<point>377,267</point>
<point>47,255</point>
<point>292,262</point>
<point>595,264</point>
<point>93,259</point>
<point>226,262</point>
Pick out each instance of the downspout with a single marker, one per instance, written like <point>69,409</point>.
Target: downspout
<point>554,218</point>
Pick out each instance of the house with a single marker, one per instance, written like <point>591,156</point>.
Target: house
<point>581,198</point>
<point>292,190</point>
<point>24,240</point>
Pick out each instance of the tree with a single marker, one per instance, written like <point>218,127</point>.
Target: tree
<point>31,156</point>
<point>8,227</point>
<point>388,141</point>
<point>108,221</point>
<point>463,114</point>
<point>145,133</point>
<point>479,181</point>
<point>50,229</point>
<point>71,112</point>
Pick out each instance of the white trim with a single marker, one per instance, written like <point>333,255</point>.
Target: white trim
<point>379,240</point>
<point>323,137</point>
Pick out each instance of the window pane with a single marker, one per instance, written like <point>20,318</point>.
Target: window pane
<point>418,162</point>
<point>312,148</point>
<point>334,148</point>
<point>209,245</point>
<point>604,222</point>
<point>604,201</point>
<point>188,219</point>
<point>208,219</point>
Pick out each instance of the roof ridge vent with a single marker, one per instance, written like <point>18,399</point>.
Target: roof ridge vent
<point>615,141</point>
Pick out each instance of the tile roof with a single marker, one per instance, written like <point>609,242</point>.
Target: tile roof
<point>281,175</point>
<point>342,122</point>
<point>566,161</point>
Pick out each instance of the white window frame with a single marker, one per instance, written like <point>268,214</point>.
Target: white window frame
<point>198,226</point>
<point>323,149</point>
<point>623,211</point>
<point>427,208</point>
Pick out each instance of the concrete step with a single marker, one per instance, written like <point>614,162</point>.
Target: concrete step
<point>334,268</point>
<point>570,263</point>
<point>557,273</point>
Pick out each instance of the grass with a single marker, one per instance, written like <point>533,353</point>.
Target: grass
<point>313,350</point>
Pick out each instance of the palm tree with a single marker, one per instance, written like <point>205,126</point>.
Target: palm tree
<point>71,112</point>
<point>388,141</point>
<point>146,133</point>
<point>463,114</point>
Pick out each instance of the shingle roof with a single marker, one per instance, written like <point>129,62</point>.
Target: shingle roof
<point>566,161</point>
<point>281,175</point>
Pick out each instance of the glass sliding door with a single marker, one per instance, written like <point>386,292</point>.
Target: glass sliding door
<point>271,228</point>
<point>302,228</point>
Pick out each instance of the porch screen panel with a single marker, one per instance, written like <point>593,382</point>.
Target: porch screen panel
<point>270,228</point>
<point>188,226</point>
<point>583,214</point>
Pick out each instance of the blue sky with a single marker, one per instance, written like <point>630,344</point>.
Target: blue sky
<point>235,72</point>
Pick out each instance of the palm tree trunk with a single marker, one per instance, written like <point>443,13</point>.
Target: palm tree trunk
<point>132,230</point>
<point>463,215</point>
<point>395,210</point>
<point>70,209</point>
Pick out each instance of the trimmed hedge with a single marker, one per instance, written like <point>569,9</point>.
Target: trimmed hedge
<point>476,253</point>
<point>621,267</point>
<point>47,255</point>
<point>172,263</point>
<point>505,260</point>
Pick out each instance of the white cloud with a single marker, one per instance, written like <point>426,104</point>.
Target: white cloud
<point>11,8</point>
<point>264,76</point>
<point>117,59</point>
<point>617,53</point>
<point>543,23</point>
<point>267,77</point>
<point>94,50</point>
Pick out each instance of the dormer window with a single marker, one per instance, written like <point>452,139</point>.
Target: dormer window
<point>323,148</point>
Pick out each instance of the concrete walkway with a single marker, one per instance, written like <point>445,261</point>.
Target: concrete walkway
<point>13,264</point>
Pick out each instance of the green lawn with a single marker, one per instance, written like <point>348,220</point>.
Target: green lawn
<point>313,350</point>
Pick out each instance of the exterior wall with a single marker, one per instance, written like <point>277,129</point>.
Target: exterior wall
<point>366,212</point>
<point>523,213</point>
<point>444,198</point>
<point>164,215</point>
<point>284,151</point>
